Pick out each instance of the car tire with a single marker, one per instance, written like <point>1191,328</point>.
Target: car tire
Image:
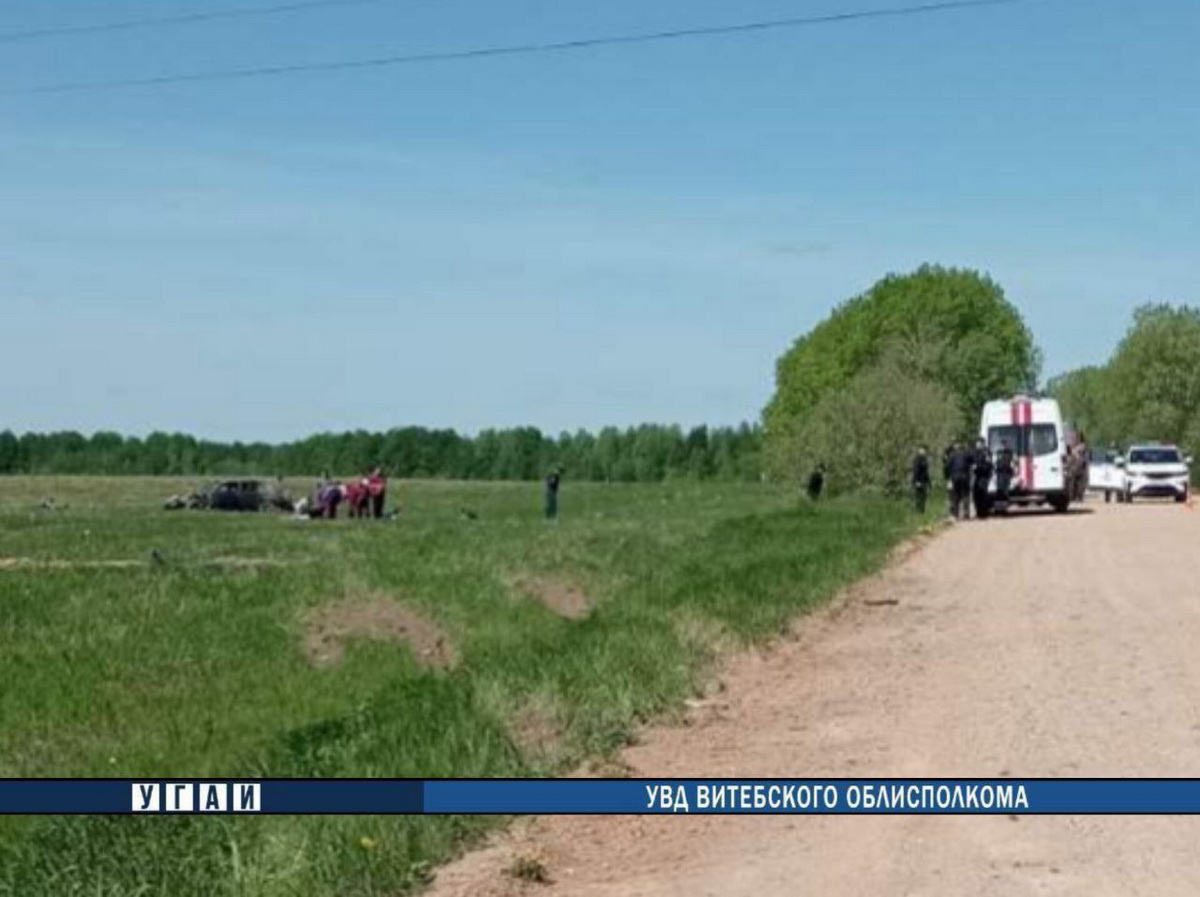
<point>1060,504</point>
<point>1128,497</point>
<point>1182,497</point>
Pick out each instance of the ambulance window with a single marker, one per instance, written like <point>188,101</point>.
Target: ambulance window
<point>998,437</point>
<point>1043,440</point>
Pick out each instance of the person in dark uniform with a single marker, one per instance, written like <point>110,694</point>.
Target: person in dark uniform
<point>1006,469</point>
<point>920,479</point>
<point>1081,457</point>
<point>983,470</point>
<point>946,453</point>
<point>958,470</point>
<point>816,482</point>
<point>553,480</point>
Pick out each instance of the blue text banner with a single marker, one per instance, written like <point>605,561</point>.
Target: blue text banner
<point>600,796</point>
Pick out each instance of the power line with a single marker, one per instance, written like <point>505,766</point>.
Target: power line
<point>183,19</point>
<point>512,49</point>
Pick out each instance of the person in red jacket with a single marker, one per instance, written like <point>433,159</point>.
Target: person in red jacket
<point>357,497</point>
<point>377,491</point>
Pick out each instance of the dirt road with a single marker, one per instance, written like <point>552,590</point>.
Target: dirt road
<point>1034,646</point>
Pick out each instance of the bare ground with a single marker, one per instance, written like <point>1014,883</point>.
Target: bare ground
<point>376,617</point>
<point>562,597</point>
<point>1033,646</point>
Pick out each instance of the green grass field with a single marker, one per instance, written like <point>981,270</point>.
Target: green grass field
<point>219,661</point>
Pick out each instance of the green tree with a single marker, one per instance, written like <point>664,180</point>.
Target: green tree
<point>950,327</point>
<point>1153,379</point>
<point>866,433</point>
<point>10,453</point>
<point>1082,394</point>
<point>699,457</point>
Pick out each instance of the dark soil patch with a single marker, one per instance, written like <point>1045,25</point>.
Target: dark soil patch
<point>377,618</point>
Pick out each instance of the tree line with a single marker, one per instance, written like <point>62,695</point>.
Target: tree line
<point>1148,390</point>
<point>647,453</point>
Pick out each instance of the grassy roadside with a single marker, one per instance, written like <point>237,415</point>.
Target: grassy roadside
<point>195,668</point>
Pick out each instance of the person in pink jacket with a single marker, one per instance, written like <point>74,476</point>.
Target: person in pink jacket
<point>377,484</point>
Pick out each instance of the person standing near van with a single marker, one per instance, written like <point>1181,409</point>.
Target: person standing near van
<point>983,470</point>
<point>1005,471</point>
<point>946,453</point>
<point>920,479</point>
<point>1079,481</point>
<point>958,469</point>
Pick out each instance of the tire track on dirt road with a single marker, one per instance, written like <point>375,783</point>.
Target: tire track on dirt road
<point>1039,645</point>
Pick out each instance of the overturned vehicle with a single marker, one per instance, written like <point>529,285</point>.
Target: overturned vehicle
<point>235,495</point>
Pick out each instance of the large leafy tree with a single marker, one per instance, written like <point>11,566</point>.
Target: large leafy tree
<point>1083,395</point>
<point>949,327</point>
<point>866,433</point>
<point>1154,376</point>
<point>1149,390</point>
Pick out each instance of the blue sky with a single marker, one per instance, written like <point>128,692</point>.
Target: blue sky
<point>627,234</point>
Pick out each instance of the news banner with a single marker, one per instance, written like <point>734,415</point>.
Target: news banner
<point>600,796</point>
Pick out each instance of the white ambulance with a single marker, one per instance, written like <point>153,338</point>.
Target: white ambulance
<point>1032,427</point>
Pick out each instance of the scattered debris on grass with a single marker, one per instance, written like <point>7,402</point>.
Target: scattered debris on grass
<point>559,595</point>
<point>611,767</point>
<point>530,868</point>
<point>376,618</point>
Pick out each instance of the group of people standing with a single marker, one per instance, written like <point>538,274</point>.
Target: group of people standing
<point>968,473</point>
<point>363,496</point>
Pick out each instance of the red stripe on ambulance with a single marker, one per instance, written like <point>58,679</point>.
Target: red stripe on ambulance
<point>1022,416</point>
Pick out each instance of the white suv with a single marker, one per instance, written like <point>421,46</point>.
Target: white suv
<point>1156,471</point>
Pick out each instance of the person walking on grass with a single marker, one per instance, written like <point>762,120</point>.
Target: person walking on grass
<point>920,479</point>
<point>553,481</point>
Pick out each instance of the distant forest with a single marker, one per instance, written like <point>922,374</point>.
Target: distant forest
<point>648,453</point>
